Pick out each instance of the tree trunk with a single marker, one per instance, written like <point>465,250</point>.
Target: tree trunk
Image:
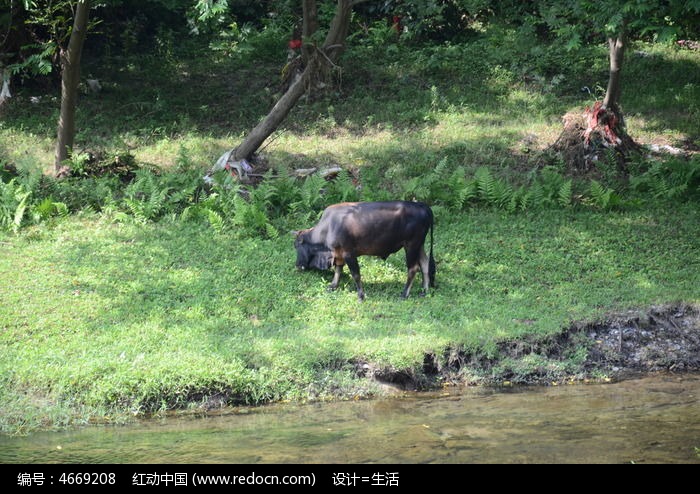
<point>335,40</point>
<point>309,28</point>
<point>278,113</point>
<point>616,47</point>
<point>316,58</point>
<point>599,133</point>
<point>70,77</point>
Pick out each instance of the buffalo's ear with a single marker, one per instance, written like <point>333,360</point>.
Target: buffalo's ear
<point>295,232</point>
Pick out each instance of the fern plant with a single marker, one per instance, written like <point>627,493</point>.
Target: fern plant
<point>286,193</point>
<point>503,195</point>
<point>232,207</point>
<point>525,198</point>
<point>216,221</point>
<point>146,198</point>
<point>310,201</point>
<point>250,218</point>
<point>553,188</point>
<point>671,179</point>
<point>14,200</point>
<point>494,191</point>
<point>446,186</point>
<point>95,193</point>
<point>47,209</point>
<point>342,189</point>
<point>485,183</point>
<point>602,197</point>
<point>461,190</point>
<point>565,194</point>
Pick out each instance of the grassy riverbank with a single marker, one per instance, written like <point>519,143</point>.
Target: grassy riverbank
<point>131,319</point>
<point>132,299</point>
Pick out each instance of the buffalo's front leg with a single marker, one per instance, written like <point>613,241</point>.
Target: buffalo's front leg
<point>354,268</point>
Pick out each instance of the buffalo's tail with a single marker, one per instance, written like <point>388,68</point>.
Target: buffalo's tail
<point>431,264</point>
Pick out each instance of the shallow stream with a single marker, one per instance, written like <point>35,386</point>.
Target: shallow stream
<point>655,419</point>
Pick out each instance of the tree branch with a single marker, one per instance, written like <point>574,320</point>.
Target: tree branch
<point>322,52</point>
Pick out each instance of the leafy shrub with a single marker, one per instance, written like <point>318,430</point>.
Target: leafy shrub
<point>454,190</point>
<point>153,194</point>
<point>310,200</point>
<point>278,200</point>
<point>98,194</point>
<point>246,41</point>
<point>342,189</point>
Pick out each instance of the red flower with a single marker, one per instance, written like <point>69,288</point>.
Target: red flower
<point>396,23</point>
<point>294,44</point>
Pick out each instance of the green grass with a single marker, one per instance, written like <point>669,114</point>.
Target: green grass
<point>107,314</point>
<point>102,319</point>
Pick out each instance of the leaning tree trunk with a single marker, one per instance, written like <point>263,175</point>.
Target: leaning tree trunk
<point>315,59</point>
<point>70,77</point>
<point>599,132</point>
<point>278,113</point>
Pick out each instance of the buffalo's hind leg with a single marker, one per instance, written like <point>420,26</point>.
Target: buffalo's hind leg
<point>413,264</point>
<point>425,269</point>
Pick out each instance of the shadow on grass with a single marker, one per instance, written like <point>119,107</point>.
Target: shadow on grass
<point>669,101</point>
<point>150,97</point>
<point>237,298</point>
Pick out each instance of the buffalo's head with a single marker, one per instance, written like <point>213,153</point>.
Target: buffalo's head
<point>311,255</point>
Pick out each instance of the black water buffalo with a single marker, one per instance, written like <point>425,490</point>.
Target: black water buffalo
<point>349,230</point>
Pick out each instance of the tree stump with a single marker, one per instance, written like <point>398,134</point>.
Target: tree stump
<point>596,135</point>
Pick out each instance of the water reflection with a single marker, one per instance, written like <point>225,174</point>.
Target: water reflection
<point>652,420</point>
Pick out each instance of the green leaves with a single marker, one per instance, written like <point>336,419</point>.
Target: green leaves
<point>572,20</point>
<point>210,9</point>
<point>39,62</point>
<point>145,200</point>
<point>564,194</point>
<point>48,208</point>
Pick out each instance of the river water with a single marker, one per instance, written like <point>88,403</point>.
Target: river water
<point>655,419</point>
